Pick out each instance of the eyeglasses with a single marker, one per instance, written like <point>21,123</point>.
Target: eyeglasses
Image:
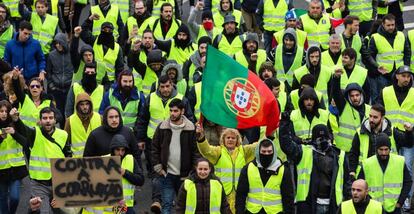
<point>35,86</point>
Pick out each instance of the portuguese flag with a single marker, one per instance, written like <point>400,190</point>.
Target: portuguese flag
<point>234,97</point>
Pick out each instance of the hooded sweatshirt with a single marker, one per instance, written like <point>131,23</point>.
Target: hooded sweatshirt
<point>306,94</point>
<point>314,70</point>
<point>342,98</point>
<point>98,142</point>
<point>289,54</point>
<point>85,118</point>
<point>136,177</point>
<point>59,65</point>
<point>273,168</point>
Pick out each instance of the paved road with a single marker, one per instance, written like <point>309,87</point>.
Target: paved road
<point>143,195</point>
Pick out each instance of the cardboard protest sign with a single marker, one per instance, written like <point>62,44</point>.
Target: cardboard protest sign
<point>86,182</point>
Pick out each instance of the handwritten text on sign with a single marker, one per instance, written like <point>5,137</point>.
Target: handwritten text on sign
<point>86,182</point>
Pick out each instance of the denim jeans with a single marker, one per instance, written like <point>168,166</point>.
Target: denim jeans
<point>169,189</point>
<point>408,154</point>
<point>377,84</point>
<point>9,196</point>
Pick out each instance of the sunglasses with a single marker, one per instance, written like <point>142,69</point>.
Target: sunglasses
<point>35,86</point>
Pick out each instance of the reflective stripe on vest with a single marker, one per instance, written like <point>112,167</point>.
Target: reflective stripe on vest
<point>13,6</point>
<point>44,32</point>
<point>108,60</point>
<point>158,111</point>
<point>111,16</point>
<point>181,55</point>
<point>294,98</point>
<point>318,33</point>
<point>358,75</point>
<point>283,75</point>
<point>364,143</point>
<point>282,99</point>
<point>29,113</point>
<point>127,187</point>
<point>361,8</point>
<point>96,96</point>
<point>322,82</point>
<point>273,17</point>
<point>349,122</point>
<point>123,6</point>
<point>129,113</point>
<point>137,79</point>
<point>228,170</point>
<point>304,171</point>
<point>79,135</point>
<point>4,38</point>
<point>230,49</point>
<point>300,40</point>
<point>11,153</point>
<point>266,196</point>
<point>394,112</point>
<point>149,79</point>
<point>374,207</point>
<point>191,199</point>
<point>385,187</point>
<point>356,44</point>
<point>388,54</point>
<point>384,10</point>
<point>43,150</point>
<point>303,128</point>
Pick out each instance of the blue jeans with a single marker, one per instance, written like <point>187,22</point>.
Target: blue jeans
<point>377,84</point>
<point>9,196</point>
<point>169,188</point>
<point>408,154</point>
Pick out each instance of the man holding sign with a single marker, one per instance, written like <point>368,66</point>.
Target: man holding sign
<point>45,141</point>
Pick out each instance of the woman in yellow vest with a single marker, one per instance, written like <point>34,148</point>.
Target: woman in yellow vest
<point>228,159</point>
<point>31,103</point>
<point>202,192</point>
<point>12,161</point>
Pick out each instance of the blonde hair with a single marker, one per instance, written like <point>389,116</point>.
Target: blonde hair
<point>230,131</point>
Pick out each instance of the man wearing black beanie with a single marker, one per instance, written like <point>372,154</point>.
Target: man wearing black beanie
<point>387,176</point>
<point>321,169</point>
<point>308,80</point>
<point>194,62</point>
<point>208,27</point>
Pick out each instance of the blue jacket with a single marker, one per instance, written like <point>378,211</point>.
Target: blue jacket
<point>135,95</point>
<point>27,55</point>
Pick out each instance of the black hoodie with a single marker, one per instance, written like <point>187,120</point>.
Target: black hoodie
<point>341,98</point>
<point>168,44</point>
<point>136,177</point>
<point>98,142</point>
